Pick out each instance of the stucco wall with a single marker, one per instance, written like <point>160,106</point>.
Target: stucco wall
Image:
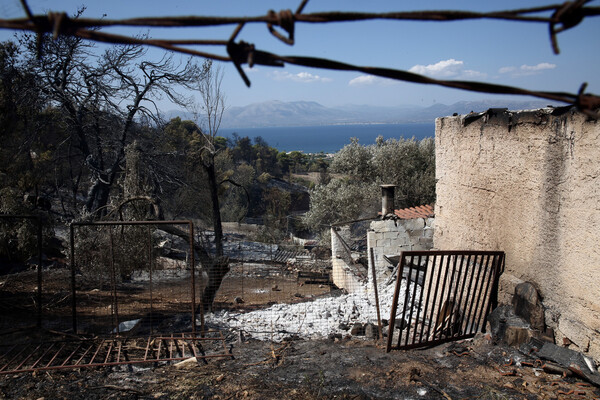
<point>528,183</point>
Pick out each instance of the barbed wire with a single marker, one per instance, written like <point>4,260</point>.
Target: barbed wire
<point>563,17</point>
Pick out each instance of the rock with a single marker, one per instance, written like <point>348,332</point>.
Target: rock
<point>516,335</point>
<point>507,327</point>
<point>357,329</point>
<point>527,304</point>
<point>344,327</point>
<point>371,331</point>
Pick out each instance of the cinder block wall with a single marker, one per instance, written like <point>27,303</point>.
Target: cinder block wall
<point>391,237</point>
<point>528,183</point>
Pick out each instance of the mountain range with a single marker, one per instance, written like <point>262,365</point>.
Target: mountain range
<point>309,113</point>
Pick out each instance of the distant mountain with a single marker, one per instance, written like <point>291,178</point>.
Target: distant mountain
<point>307,113</point>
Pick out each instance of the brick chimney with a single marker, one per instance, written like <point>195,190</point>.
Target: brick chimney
<point>387,200</point>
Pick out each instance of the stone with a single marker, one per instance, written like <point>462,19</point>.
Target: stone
<point>371,332</point>
<point>516,335</point>
<point>528,305</point>
<point>357,329</point>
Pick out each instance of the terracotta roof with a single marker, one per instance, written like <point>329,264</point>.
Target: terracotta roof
<point>425,211</point>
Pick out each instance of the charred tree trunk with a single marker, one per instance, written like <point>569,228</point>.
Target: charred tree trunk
<point>220,265</point>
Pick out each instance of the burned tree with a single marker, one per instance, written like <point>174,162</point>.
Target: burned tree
<point>100,99</point>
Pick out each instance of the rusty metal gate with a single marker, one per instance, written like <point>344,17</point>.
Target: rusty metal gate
<point>105,297</point>
<point>90,353</point>
<point>442,296</point>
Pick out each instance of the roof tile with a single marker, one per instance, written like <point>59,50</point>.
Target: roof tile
<point>425,211</point>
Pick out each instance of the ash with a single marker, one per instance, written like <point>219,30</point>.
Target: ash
<point>321,318</point>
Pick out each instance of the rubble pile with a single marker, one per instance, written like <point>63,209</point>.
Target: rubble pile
<point>324,317</point>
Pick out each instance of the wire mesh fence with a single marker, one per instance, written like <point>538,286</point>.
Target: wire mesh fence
<point>298,296</point>
<point>124,284</point>
<point>21,271</point>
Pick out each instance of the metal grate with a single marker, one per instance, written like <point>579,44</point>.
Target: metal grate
<point>72,354</point>
<point>442,296</point>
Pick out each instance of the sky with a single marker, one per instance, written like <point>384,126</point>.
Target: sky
<point>501,52</point>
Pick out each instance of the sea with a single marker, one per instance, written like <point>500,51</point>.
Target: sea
<point>330,138</point>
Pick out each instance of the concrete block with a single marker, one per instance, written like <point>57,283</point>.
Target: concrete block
<point>391,235</point>
<point>384,243</point>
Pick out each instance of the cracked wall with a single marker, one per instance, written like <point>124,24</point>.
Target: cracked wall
<point>528,183</point>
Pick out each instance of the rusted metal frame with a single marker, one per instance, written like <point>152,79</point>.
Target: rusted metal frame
<point>494,281</point>
<point>406,296</point>
<point>150,258</point>
<point>113,283</point>
<point>468,317</point>
<point>15,357</point>
<point>56,355</point>
<point>413,298</point>
<point>38,221</point>
<point>462,293</point>
<point>120,345</point>
<point>484,287</point>
<point>455,304</point>
<point>84,354</point>
<point>96,352</point>
<point>160,341</point>
<point>379,325</point>
<point>222,338</point>
<point>29,356</point>
<point>110,347</point>
<point>440,328</point>
<point>462,272</point>
<point>420,303</point>
<point>73,291</point>
<point>72,354</point>
<point>43,354</point>
<point>480,285</point>
<point>437,341</point>
<point>431,272</point>
<point>405,306</point>
<point>123,223</point>
<point>107,364</point>
<point>394,308</point>
<point>147,349</point>
<point>442,293</point>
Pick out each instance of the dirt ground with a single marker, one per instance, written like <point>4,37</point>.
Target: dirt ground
<point>347,368</point>
<point>327,369</point>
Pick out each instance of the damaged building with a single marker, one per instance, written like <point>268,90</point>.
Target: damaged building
<point>528,183</point>
<point>522,182</point>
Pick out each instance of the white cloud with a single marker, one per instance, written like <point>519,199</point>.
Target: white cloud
<point>363,80</point>
<point>372,80</point>
<point>444,68</point>
<point>524,69</point>
<point>303,77</point>
<point>447,69</point>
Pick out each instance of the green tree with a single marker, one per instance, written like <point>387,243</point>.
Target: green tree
<point>407,163</point>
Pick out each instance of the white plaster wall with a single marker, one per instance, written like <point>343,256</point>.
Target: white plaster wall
<point>528,183</point>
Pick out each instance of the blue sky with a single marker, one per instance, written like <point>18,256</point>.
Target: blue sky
<point>511,53</point>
